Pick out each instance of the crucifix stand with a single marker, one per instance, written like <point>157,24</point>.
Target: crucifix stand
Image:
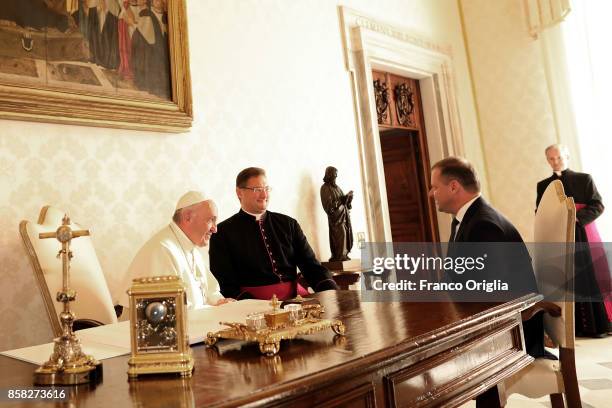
<point>68,365</point>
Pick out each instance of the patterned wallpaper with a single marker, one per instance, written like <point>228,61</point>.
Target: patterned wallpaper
<point>516,118</point>
<point>270,89</point>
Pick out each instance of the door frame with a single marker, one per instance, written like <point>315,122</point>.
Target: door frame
<point>373,45</point>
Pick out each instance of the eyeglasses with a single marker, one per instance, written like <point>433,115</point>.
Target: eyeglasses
<point>267,189</point>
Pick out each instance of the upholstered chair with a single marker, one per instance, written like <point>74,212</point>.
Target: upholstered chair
<point>93,305</point>
<point>554,223</point>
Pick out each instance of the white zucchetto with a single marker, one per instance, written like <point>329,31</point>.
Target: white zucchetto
<point>190,198</point>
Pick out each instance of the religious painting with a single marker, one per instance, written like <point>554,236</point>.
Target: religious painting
<point>117,63</point>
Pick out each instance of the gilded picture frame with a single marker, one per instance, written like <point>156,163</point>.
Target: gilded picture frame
<point>76,105</point>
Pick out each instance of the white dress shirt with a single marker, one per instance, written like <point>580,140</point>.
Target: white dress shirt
<point>461,213</point>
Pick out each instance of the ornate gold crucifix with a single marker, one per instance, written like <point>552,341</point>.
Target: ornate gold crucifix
<point>68,364</point>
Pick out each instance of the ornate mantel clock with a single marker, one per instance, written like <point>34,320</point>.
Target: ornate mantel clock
<point>158,328</point>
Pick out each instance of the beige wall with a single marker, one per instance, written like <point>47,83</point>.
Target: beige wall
<point>270,89</point>
<point>514,103</point>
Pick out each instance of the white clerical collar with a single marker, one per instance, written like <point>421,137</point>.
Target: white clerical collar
<point>183,240</point>
<point>461,213</point>
<point>257,216</point>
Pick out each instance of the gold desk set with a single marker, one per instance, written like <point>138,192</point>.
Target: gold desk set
<point>298,317</point>
<point>68,365</point>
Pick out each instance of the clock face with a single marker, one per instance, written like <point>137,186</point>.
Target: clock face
<point>156,325</point>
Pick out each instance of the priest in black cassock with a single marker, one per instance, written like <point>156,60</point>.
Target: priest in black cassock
<point>592,284</point>
<point>256,253</point>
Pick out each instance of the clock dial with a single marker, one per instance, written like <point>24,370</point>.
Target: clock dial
<point>156,325</point>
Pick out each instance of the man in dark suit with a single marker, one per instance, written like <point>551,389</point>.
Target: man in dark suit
<point>456,190</point>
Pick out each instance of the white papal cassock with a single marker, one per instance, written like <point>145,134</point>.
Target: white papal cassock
<point>170,252</point>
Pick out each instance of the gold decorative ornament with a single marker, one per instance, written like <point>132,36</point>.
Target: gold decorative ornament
<point>286,323</point>
<point>68,365</point>
<point>158,328</point>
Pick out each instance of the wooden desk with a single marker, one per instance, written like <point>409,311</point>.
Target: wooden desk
<point>394,354</point>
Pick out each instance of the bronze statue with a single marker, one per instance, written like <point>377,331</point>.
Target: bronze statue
<point>337,205</point>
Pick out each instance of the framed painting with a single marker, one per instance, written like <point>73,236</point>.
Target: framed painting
<point>109,63</point>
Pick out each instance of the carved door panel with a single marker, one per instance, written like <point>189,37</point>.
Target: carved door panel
<point>397,101</point>
<point>405,102</point>
<point>382,96</point>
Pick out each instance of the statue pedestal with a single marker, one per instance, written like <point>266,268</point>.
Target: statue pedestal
<point>350,265</point>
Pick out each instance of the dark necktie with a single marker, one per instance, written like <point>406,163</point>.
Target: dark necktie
<point>453,230</point>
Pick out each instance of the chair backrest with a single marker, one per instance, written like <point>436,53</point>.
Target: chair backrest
<point>93,298</point>
<point>555,223</point>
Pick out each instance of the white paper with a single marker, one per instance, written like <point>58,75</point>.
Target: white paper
<point>41,353</point>
<point>113,340</point>
<point>116,335</point>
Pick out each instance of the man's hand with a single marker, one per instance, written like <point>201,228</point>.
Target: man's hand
<point>224,301</point>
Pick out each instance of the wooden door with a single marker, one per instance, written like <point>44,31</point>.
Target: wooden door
<point>405,191</point>
<point>405,159</point>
